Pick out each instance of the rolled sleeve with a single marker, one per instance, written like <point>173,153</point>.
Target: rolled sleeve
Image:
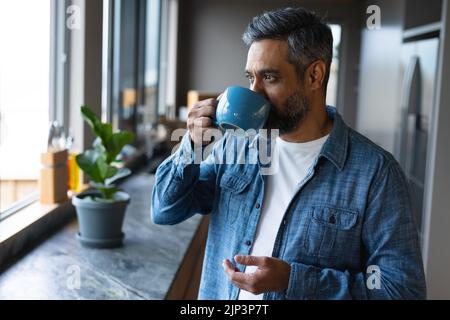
<point>302,282</point>
<point>184,185</point>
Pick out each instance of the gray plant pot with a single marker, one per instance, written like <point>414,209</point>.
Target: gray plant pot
<point>100,222</point>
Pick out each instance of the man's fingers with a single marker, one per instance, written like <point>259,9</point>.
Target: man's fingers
<point>244,281</point>
<point>208,111</point>
<point>272,274</point>
<point>234,274</point>
<point>203,122</point>
<point>201,116</point>
<point>205,111</point>
<point>204,103</point>
<point>228,267</point>
<point>251,260</point>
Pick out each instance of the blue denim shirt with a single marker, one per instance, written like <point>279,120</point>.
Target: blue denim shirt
<point>348,233</point>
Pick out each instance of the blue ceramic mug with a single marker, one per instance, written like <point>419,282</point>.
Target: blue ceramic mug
<point>241,108</point>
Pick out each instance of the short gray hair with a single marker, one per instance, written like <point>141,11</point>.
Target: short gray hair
<point>309,38</point>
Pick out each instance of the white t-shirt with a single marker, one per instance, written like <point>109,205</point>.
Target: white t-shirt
<point>292,162</point>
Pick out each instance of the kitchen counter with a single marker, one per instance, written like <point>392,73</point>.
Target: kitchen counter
<point>146,267</point>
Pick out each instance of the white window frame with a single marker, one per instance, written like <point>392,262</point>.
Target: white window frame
<point>58,88</point>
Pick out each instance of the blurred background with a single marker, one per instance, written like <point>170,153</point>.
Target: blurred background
<point>140,64</point>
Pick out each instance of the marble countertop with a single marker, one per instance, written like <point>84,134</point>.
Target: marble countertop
<point>144,268</point>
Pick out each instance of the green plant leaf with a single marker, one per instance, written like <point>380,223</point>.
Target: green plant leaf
<point>101,130</point>
<point>102,166</point>
<point>112,171</point>
<point>98,145</point>
<point>123,172</point>
<point>108,192</point>
<point>117,142</point>
<point>94,164</point>
<point>87,161</point>
<point>105,133</point>
<point>99,185</point>
<point>90,117</point>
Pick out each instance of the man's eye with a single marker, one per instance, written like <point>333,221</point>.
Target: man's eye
<point>268,77</point>
<point>250,79</point>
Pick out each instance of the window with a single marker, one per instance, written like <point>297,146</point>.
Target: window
<point>152,48</point>
<point>334,69</point>
<point>24,96</point>
<point>132,50</point>
<point>168,58</point>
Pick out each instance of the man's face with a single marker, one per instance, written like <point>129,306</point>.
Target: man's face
<point>273,76</point>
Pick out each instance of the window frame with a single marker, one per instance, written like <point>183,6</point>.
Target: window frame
<point>114,58</point>
<point>168,60</point>
<point>59,84</point>
<point>17,206</point>
<point>60,63</point>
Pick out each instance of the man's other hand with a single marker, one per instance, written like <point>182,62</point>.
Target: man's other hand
<point>272,274</point>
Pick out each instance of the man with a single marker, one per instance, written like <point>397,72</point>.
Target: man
<point>334,221</point>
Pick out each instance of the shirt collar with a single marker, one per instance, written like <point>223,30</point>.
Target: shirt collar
<point>335,148</point>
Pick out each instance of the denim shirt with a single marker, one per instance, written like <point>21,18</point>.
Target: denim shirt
<point>348,233</point>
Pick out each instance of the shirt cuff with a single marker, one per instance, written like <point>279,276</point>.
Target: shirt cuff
<point>186,154</point>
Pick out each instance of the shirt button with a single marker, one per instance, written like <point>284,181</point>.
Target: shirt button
<point>248,242</point>
<point>332,219</point>
<point>257,206</point>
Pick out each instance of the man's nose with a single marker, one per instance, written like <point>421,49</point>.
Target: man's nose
<point>258,87</point>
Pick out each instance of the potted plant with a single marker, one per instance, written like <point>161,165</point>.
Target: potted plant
<point>101,210</point>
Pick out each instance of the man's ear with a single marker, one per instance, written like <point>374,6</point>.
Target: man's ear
<point>315,75</point>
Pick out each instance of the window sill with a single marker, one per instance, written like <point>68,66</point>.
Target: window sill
<point>28,215</point>
<point>23,218</point>
<point>26,227</point>
<point>155,262</point>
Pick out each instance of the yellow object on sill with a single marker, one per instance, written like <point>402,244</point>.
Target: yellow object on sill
<point>75,179</point>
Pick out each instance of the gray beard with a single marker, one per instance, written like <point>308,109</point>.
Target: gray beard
<point>291,115</point>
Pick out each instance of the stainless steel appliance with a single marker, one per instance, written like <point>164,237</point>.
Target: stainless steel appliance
<point>419,62</point>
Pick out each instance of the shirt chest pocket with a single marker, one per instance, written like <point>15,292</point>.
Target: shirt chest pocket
<point>233,196</point>
<point>330,232</point>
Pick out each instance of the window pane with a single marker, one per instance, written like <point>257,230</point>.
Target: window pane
<point>24,95</point>
<point>151,77</point>
<point>134,86</point>
<point>334,69</point>
<point>152,43</point>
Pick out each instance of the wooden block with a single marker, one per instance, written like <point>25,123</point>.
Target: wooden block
<point>53,182</point>
<point>53,158</point>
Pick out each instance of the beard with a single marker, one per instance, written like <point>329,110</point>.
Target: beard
<point>291,115</point>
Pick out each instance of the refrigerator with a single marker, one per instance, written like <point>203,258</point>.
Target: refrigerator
<point>418,73</point>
